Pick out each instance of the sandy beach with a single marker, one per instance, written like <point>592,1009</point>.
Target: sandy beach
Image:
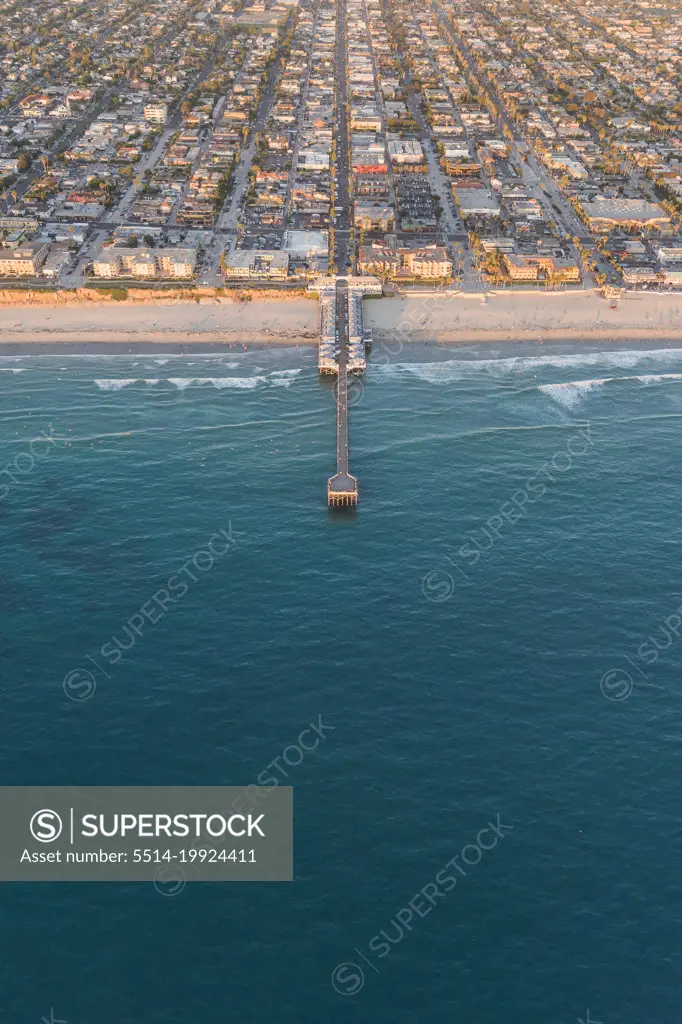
<point>211,322</point>
<point>524,316</point>
<point>440,317</point>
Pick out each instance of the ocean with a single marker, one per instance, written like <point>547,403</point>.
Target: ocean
<point>488,652</point>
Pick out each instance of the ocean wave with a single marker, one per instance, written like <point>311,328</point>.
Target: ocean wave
<point>244,383</point>
<point>278,378</point>
<point>12,369</point>
<point>284,378</point>
<point>570,393</point>
<point>117,383</point>
<point>447,370</point>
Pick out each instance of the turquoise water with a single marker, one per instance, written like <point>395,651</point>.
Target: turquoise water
<point>475,648</point>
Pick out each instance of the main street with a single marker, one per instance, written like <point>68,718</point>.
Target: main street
<point>344,258</point>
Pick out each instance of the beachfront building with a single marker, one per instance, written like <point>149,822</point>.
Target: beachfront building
<point>248,264</point>
<point>670,259</point>
<point>634,275</point>
<point>522,267</point>
<point>306,245</point>
<point>378,259</point>
<point>430,262</point>
<point>145,264</point>
<point>24,261</point>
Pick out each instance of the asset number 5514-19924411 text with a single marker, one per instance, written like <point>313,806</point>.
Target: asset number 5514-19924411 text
<point>202,856</point>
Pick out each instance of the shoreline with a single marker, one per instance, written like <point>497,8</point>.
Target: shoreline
<point>432,317</point>
<point>426,340</point>
<point>115,345</point>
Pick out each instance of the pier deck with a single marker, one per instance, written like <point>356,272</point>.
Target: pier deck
<point>342,489</point>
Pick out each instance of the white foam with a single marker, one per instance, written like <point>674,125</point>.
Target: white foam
<point>116,384</point>
<point>12,369</point>
<point>653,378</point>
<point>245,383</point>
<point>447,370</point>
<point>570,394</point>
<point>284,378</point>
<point>278,378</point>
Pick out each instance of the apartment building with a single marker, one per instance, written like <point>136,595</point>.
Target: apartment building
<point>24,261</point>
<point>529,267</point>
<point>156,113</point>
<point>430,262</point>
<point>146,264</point>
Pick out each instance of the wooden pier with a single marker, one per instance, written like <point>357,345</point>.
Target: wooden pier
<point>342,489</point>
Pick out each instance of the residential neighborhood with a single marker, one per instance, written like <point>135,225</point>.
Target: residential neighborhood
<point>224,144</point>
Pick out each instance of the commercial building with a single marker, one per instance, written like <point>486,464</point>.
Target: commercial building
<point>559,162</point>
<point>372,216</point>
<point>476,202</point>
<point>306,245</point>
<point>405,151</point>
<point>604,214</point>
<point>245,264</point>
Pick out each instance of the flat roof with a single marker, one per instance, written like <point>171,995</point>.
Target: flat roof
<point>625,209</point>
